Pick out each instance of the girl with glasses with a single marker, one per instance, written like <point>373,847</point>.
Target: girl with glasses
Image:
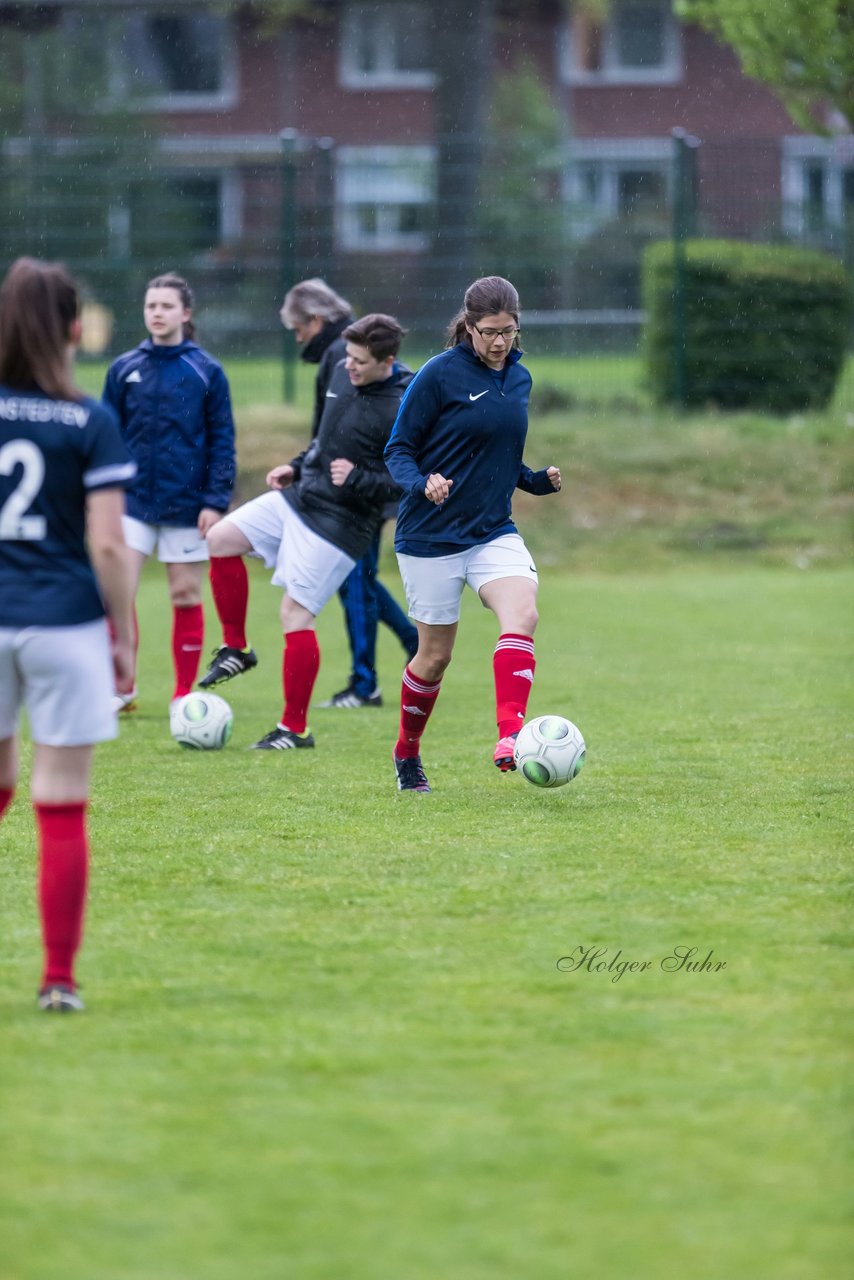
<point>456,451</point>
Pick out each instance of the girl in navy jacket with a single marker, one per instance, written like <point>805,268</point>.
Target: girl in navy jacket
<point>174,408</point>
<point>456,451</point>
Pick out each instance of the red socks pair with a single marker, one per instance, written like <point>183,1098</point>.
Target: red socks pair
<point>513,667</point>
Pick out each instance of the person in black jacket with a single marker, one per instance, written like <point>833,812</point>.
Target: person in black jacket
<point>325,507</point>
<point>318,316</point>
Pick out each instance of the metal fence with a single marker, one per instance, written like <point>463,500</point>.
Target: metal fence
<point>568,225</point>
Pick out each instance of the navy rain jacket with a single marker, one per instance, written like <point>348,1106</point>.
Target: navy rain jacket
<point>174,409</point>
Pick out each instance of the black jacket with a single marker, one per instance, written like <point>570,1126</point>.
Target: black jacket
<point>356,424</point>
<point>325,349</point>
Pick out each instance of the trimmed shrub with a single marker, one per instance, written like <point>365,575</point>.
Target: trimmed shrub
<point>765,326</point>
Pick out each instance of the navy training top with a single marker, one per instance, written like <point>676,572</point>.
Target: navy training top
<point>468,422</point>
<point>52,454</point>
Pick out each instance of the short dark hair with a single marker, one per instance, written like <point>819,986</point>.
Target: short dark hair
<point>382,335</point>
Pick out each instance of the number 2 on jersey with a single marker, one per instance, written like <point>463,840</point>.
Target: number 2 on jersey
<point>15,524</point>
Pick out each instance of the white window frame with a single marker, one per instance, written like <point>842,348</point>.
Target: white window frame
<point>387,75</point>
<point>391,191</point>
<point>611,156</point>
<point>612,70</point>
<point>121,88</point>
<point>835,156</point>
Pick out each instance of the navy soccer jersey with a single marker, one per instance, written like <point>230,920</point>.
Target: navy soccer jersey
<point>52,454</point>
<point>468,423</point>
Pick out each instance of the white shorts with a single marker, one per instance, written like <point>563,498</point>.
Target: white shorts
<point>64,676</point>
<point>174,545</point>
<point>434,584</point>
<point>308,567</point>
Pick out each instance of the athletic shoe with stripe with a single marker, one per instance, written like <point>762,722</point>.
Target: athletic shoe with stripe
<point>503,756</point>
<point>60,998</point>
<point>410,774</point>
<point>227,663</point>
<point>349,698</point>
<point>281,739</point>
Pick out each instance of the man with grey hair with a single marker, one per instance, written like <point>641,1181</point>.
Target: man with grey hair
<point>317,316</point>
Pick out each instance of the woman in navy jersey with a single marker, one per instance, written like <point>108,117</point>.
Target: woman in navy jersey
<point>174,408</point>
<point>456,451</point>
<point>63,467</point>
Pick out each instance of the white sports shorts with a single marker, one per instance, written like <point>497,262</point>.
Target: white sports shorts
<point>434,584</point>
<point>174,545</point>
<point>309,568</point>
<point>64,677</point>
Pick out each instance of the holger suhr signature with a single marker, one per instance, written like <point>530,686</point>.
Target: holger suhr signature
<point>681,959</point>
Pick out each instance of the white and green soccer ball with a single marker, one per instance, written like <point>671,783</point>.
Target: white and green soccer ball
<point>550,751</point>
<point>201,721</point>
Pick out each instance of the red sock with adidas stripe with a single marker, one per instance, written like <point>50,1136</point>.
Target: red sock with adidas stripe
<point>300,665</point>
<point>513,667</point>
<point>188,635</point>
<point>417,700</point>
<point>230,590</point>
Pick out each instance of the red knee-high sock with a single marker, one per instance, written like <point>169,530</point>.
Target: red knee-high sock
<point>188,635</point>
<point>230,588</point>
<point>5,799</point>
<point>300,665</point>
<point>63,872</point>
<point>513,666</point>
<point>417,700</point>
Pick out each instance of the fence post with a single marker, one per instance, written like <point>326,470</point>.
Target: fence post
<point>684,207</point>
<point>289,138</point>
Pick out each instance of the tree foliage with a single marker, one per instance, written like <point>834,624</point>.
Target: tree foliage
<point>803,49</point>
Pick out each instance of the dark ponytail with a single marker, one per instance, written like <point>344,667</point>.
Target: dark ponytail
<point>39,303</point>
<point>485,297</point>
<point>172,281</point>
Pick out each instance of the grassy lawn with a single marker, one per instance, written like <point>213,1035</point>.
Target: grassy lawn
<point>327,1033</point>
<point>592,383</point>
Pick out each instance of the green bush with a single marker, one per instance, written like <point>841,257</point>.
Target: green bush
<point>764,326</point>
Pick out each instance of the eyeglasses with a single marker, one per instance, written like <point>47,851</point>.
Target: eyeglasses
<point>489,334</point>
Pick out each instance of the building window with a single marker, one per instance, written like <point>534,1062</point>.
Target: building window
<point>639,42</point>
<point>611,180</point>
<point>175,216</point>
<point>386,46</point>
<point>818,188</point>
<point>176,60</point>
<point>384,198</point>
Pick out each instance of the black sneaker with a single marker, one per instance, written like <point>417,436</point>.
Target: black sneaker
<point>60,999</point>
<point>227,663</point>
<point>348,698</point>
<point>280,739</point>
<point>410,774</point>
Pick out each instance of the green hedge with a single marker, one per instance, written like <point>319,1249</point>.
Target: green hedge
<point>764,326</point>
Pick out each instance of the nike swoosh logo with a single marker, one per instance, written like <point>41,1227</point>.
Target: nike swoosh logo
<point>332,395</point>
<point>479,394</point>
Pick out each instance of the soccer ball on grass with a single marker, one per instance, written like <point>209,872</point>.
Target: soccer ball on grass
<point>550,751</point>
<point>201,721</point>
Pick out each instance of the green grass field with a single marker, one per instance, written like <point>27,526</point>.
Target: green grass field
<point>327,1034</point>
